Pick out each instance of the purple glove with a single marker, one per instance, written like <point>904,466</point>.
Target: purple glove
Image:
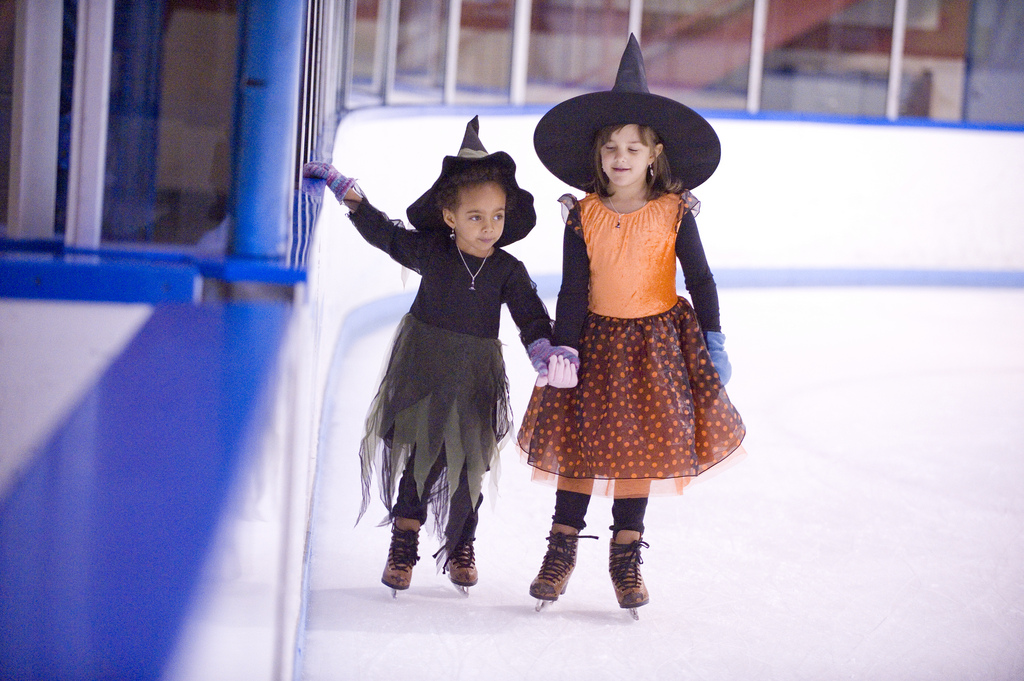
<point>336,182</point>
<point>541,350</point>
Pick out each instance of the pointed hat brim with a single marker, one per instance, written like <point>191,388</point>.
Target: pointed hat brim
<point>564,137</point>
<point>520,217</point>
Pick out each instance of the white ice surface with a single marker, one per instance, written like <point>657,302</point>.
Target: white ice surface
<point>875,529</point>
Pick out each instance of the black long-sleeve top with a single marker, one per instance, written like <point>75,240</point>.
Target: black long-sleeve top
<point>444,298</point>
<point>574,294</point>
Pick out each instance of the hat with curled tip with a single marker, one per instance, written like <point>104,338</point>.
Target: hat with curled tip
<point>520,216</point>
<point>564,137</point>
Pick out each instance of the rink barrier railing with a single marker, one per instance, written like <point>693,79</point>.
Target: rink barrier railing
<point>105,534</point>
<point>387,310</point>
<point>468,110</point>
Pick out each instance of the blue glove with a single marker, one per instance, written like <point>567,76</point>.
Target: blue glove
<point>315,173</point>
<point>541,350</point>
<point>715,341</point>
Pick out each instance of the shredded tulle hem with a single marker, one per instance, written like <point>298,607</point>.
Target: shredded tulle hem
<point>442,412</point>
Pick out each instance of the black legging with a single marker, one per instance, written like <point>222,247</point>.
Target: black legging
<point>571,508</point>
<point>409,504</point>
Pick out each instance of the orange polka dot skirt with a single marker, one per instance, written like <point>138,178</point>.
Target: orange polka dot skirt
<point>649,408</point>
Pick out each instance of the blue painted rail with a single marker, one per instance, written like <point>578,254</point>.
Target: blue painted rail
<point>104,538</point>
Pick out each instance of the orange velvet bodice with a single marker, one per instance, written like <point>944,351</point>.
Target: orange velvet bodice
<point>632,266</point>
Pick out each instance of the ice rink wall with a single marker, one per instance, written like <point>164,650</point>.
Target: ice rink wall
<point>794,202</point>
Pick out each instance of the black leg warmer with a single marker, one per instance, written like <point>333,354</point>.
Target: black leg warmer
<point>571,509</point>
<point>628,514</point>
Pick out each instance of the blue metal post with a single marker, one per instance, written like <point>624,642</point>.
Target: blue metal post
<point>266,118</point>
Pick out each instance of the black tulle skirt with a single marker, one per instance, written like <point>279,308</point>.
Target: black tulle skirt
<point>443,411</point>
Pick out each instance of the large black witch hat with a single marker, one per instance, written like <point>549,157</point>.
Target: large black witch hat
<point>564,137</point>
<point>520,216</point>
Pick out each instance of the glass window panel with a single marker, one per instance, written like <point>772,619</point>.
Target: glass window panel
<point>828,56</point>
<point>995,75</point>
<point>698,51</point>
<point>368,59</point>
<point>67,86</point>
<point>7,38</point>
<point>575,47</point>
<point>419,68</point>
<point>485,51</point>
<point>172,93</point>
<point>7,8</point>
<point>934,59</point>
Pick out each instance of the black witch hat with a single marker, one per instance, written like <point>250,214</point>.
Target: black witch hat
<point>520,217</point>
<point>564,137</point>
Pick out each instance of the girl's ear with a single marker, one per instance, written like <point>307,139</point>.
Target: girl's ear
<point>658,148</point>
<point>449,217</point>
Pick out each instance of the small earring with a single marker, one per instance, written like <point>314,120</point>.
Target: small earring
<point>650,172</point>
<point>451,235</point>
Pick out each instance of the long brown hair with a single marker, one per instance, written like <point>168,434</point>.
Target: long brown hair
<point>659,180</point>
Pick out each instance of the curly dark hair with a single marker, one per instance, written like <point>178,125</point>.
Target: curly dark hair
<point>471,174</point>
<point>662,181</point>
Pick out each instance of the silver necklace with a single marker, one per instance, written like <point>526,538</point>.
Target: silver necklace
<point>618,221</point>
<point>472,277</point>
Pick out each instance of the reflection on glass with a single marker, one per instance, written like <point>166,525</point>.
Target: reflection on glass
<point>995,75</point>
<point>398,60</point>
<point>368,36</point>
<point>829,56</point>
<point>575,47</point>
<point>419,68</point>
<point>171,100</point>
<point>932,83</point>
<point>7,8</point>
<point>821,56</point>
<point>485,51</point>
<point>699,52</point>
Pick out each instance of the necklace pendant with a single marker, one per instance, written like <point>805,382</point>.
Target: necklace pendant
<point>472,275</point>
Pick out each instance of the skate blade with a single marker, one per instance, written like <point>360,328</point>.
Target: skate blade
<point>541,604</point>
<point>635,614</point>
<point>464,590</point>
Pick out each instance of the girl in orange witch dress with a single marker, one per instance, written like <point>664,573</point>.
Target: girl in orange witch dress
<point>650,411</point>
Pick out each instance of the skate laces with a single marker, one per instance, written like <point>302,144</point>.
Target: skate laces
<point>624,563</point>
<point>403,552</point>
<point>561,555</point>
<point>462,556</point>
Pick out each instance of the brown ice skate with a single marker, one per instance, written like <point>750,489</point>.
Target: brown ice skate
<point>401,558</point>
<point>462,567</point>
<point>624,566</point>
<point>559,562</point>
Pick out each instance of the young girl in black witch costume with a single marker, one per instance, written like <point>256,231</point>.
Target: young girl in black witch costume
<point>650,412</point>
<point>441,413</point>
